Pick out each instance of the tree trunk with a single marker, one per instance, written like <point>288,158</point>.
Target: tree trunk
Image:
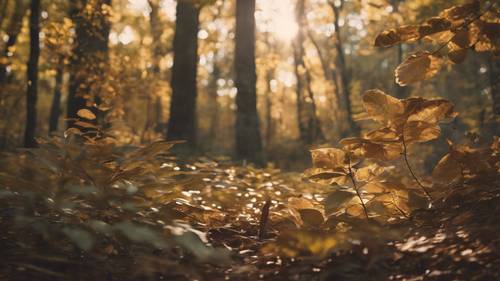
<point>248,138</point>
<point>90,56</point>
<point>309,124</point>
<point>342,68</point>
<point>55,108</point>
<point>32,74</point>
<point>13,31</point>
<point>494,70</point>
<point>182,121</point>
<point>156,31</point>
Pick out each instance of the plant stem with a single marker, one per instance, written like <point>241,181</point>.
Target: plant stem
<point>351,176</point>
<point>405,156</point>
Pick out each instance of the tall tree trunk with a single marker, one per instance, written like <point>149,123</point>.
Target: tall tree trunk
<point>156,31</point>
<point>213,104</point>
<point>309,124</point>
<point>269,106</point>
<point>55,108</point>
<point>494,70</point>
<point>182,121</point>
<point>32,74</point>
<point>248,138</point>
<point>90,56</point>
<point>13,30</point>
<point>342,67</point>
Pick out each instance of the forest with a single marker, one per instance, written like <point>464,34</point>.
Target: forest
<point>249,140</point>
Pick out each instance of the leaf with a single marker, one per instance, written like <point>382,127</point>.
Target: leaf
<point>81,238</point>
<point>328,158</point>
<point>418,131</point>
<point>447,170</point>
<point>140,234</point>
<point>336,199</point>
<point>311,217</point>
<point>393,36</point>
<point>370,149</point>
<point>295,243</point>
<point>434,25</point>
<point>457,14</point>
<point>87,114</point>
<point>382,107</point>
<point>429,111</point>
<point>457,56</point>
<point>418,67</point>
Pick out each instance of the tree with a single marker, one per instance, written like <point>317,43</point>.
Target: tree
<point>55,108</point>
<point>90,54</point>
<point>32,75</point>
<point>182,121</point>
<point>248,138</point>
<point>156,32</point>
<point>345,79</point>
<point>13,30</point>
<point>309,124</point>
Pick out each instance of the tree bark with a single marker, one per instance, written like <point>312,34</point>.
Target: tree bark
<point>13,31</point>
<point>32,74</point>
<point>182,121</point>
<point>90,56</point>
<point>342,68</point>
<point>55,108</point>
<point>248,137</point>
<point>156,31</point>
<point>309,124</point>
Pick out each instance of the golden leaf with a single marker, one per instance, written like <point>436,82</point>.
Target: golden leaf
<point>418,67</point>
<point>418,131</point>
<point>393,36</point>
<point>87,114</point>
<point>328,158</point>
<point>382,107</point>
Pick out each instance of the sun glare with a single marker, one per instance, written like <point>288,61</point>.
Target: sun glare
<point>277,17</point>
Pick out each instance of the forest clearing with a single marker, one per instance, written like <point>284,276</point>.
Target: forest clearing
<point>249,140</point>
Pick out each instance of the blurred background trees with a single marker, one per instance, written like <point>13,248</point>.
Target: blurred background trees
<point>205,72</point>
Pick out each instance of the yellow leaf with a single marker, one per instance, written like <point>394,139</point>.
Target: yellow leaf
<point>418,67</point>
<point>328,158</point>
<point>382,107</point>
<point>87,114</point>
<point>393,36</point>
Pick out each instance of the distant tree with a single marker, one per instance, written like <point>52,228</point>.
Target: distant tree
<point>309,124</point>
<point>248,138</point>
<point>341,64</point>
<point>55,108</point>
<point>182,121</point>
<point>156,33</point>
<point>13,29</point>
<point>90,54</point>
<point>32,75</point>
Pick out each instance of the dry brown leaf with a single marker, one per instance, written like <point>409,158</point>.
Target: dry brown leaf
<point>418,67</point>
<point>447,170</point>
<point>457,56</point>
<point>393,36</point>
<point>418,131</point>
<point>382,107</point>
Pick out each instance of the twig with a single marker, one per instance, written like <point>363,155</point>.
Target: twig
<point>351,176</point>
<point>264,218</point>
<point>405,156</point>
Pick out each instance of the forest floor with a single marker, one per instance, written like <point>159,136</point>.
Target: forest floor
<point>160,219</point>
